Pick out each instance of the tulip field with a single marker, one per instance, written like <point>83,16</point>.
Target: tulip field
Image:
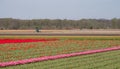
<point>42,52</point>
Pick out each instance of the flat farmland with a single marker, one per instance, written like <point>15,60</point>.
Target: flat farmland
<point>14,48</point>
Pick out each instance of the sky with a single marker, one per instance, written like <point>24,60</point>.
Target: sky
<point>60,9</point>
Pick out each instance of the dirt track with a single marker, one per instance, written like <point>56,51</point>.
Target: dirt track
<point>61,32</point>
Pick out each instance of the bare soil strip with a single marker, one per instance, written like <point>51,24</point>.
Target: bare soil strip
<point>61,32</point>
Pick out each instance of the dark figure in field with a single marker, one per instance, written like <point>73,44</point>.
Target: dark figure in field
<point>37,29</point>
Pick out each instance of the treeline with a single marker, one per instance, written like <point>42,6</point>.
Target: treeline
<point>9,23</point>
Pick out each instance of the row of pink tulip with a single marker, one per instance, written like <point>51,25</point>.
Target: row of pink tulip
<point>12,63</point>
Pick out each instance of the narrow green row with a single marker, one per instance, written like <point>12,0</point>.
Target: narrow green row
<point>64,37</point>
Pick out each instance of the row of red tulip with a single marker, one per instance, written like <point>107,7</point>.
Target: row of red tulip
<point>3,41</point>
